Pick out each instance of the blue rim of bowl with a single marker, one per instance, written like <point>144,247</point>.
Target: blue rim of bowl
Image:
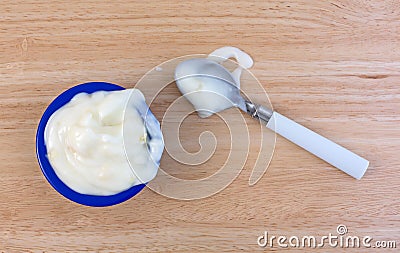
<point>47,169</point>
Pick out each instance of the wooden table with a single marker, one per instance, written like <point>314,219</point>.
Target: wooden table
<point>331,65</point>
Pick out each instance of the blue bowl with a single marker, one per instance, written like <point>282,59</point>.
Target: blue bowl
<point>47,169</point>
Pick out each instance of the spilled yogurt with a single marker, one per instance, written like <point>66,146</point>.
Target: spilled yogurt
<point>85,141</point>
<point>208,89</point>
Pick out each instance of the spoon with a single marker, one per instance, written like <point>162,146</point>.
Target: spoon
<point>210,88</point>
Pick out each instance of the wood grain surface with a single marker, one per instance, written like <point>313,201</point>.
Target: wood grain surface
<point>334,66</point>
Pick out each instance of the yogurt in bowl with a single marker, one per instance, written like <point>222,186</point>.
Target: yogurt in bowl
<point>98,144</point>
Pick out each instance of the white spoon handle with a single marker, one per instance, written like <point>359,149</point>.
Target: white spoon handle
<point>332,153</point>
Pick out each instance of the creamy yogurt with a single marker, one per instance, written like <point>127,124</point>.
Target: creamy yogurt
<point>85,141</point>
<point>207,89</point>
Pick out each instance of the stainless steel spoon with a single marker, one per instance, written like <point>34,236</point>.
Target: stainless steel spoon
<point>216,78</point>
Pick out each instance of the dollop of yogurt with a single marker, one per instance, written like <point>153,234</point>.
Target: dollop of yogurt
<point>98,143</point>
<point>208,88</point>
